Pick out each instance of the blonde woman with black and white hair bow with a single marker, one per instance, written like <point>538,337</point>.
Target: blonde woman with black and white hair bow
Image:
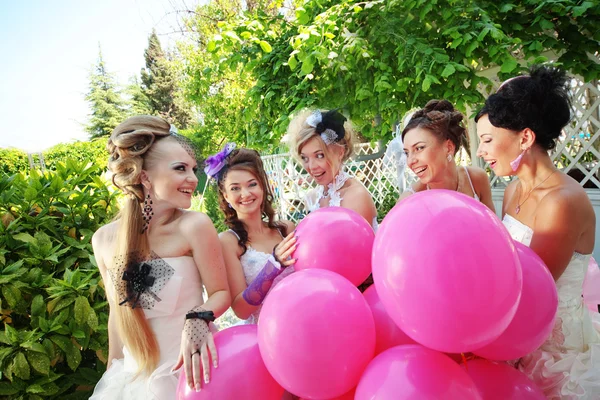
<point>155,260</point>
<point>323,141</point>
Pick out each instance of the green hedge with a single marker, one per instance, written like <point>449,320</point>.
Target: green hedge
<point>13,161</point>
<point>52,301</point>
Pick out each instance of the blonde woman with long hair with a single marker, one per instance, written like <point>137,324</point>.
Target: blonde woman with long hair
<point>155,260</point>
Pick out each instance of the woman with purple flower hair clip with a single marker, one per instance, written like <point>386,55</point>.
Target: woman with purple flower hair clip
<point>256,248</point>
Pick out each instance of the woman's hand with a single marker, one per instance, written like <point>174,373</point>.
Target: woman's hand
<point>197,349</point>
<point>283,251</point>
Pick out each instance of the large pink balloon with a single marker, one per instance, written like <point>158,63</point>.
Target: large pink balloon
<point>345,396</point>
<point>591,286</point>
<point>447,271</point>
<point>535,315</point>
<point>241,373</point>
<point>336,239</point>
<point>387,333</point>
<point>316,334</point>
<point>414,372</point>
<point>501,381</point>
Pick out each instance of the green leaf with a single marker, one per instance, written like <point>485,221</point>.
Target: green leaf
<point>483,34</point>
<point>24,237</point>
<point>49,347</point>
<point>301,16</point>
<point>39,362</point>
<point>35,347</point>
<point>448,70</point>
<point>14,267</point>
<point>73,357</point>
<point>580,10</point>
<point>307,66</point>
<point>12,294</point>
<point>81,309</point>
<point>506,7</point>
<point>20,367</point>
<point>509,65</point>
<point>211,46</point>
<point>292,63</point>
<point>426,83</point>
<point>38,306</point>
<point>6,389</point>
<point>35,389</point>
<point>265,46</point>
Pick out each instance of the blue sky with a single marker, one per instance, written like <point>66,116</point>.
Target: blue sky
<point>48,49</point>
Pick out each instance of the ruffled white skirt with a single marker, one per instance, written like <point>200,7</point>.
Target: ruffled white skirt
<point>120,383</point>
<point>567,365</point>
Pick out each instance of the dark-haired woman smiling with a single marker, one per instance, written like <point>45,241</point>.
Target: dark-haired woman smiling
<point>550,212</point>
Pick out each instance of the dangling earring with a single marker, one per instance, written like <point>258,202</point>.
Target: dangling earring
<point>514,164</point>
<point>449,158</point>
<point>229,204</point>
<point>147,213</point>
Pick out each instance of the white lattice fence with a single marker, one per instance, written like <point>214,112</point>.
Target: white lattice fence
<point>290,182</point>
<point>577,151</point>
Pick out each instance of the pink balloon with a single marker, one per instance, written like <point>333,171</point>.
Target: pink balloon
<point>241,373</point>
<point>414,372</point>
<point>387,333</point>
<point>534,320</point>
<point>591,287</point>
<point>345,396</point>
<point>316,334</point>
<point>336,239</point>
<point>502,382</point>
<point>446,271</point>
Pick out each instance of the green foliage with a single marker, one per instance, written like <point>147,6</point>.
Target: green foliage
<point>212,209</point>
<point>93,151</point>
<point>104,96</point>
<point>13,161</point>
<point>390,200</point>
<point>53,305</point>
<point>217,92</point>
<point>159,86</point>
<point>374,59</point>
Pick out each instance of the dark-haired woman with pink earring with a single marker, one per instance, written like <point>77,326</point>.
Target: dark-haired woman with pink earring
<point>550,212</point>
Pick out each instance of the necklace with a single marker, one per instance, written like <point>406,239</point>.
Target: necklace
<point>457,182</point>
<point>520,203</point>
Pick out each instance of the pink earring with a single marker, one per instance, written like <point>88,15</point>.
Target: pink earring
<point>514,164</point>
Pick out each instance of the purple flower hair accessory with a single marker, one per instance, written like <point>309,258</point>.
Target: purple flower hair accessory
<point>216,162</point>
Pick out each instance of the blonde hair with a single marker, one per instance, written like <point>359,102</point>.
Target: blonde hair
<point>131,150</point>
<point>299,133</point>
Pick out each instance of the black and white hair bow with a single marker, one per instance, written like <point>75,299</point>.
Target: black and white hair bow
<point>329,125</point>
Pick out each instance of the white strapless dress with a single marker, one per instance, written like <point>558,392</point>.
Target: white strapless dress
<point>182,292</point>
<point>567,365</point>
